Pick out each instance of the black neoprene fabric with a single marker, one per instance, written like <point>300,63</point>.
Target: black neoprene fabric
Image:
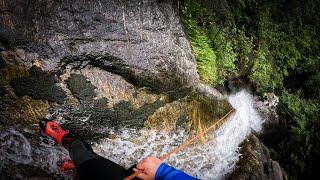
<point>90,165</point>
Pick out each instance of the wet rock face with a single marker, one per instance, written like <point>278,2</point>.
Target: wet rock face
<point>146,35</point>
<point>93,120</point>
<point>194,113</point>
<point>255,163</point>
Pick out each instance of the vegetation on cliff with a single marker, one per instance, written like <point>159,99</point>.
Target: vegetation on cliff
<point>273,46</point>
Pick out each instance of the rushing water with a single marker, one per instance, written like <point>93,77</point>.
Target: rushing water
<point>211,159</point>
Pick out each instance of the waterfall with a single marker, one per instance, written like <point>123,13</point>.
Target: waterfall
<point>211,159</point>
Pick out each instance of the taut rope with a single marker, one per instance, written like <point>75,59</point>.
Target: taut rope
<point>188,142</point>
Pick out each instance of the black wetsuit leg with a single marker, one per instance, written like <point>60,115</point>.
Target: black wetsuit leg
<point>90,165</point>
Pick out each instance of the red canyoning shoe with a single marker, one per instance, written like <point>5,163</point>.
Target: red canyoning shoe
<point>53,129</point>
<point>67,167</point>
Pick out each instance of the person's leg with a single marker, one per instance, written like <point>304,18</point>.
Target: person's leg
<point>79,150</point>
<point>88,163</point>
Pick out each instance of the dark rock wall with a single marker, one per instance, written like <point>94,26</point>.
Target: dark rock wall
<point>255,163</point>
<point>146,34</point>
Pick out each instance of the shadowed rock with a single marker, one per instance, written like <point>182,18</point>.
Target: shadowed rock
<point>255,163</point>
<point>80,87</point>
<point>38,85</point>
<point>3,91</point>
<point>159,82</point>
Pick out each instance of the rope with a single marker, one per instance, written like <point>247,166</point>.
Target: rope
<point>188,142</point>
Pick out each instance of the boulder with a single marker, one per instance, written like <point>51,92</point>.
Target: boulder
<point>255,163</point>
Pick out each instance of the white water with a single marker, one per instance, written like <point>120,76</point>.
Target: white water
<point>210,160</point>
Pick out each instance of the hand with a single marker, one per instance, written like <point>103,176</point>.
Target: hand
<point>147,168</point>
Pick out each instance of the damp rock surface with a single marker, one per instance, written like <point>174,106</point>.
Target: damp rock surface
<point>2,63</point>
<point>146,35</point>
<point>255,162</point>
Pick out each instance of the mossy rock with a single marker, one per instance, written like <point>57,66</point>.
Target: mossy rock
<point>195,113</point>
<point>21,111</point>
<point>10,72</point>
<point>80,87</point>
<point>38,85</point>
<point>90,119</point>
<point>162,81</point>
<point>255,162</point>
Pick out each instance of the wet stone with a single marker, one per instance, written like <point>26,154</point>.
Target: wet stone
<point>160,82</point>
<point>255,163</point>
<point>38,85</point>
<point>93,120</point>
<point>80,87</point>
<point>194,113</point>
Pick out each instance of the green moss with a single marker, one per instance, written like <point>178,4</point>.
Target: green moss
<point>263,73</point>
<point>21,111</point>
<point>296,140</point>
<point>10,72</point>
<point>80,87</point>
<point>38,85</point>
<point>205,57</point>
<point>274,46</point>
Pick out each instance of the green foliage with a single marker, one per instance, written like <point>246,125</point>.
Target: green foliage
<point>213,51</point>
<point>263,74</point>
<point>205,57</point>
<point>298,140</point>
<point>275,46</point>
<point>224,50</point>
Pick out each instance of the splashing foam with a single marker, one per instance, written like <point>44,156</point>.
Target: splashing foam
<point>210,160</point>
